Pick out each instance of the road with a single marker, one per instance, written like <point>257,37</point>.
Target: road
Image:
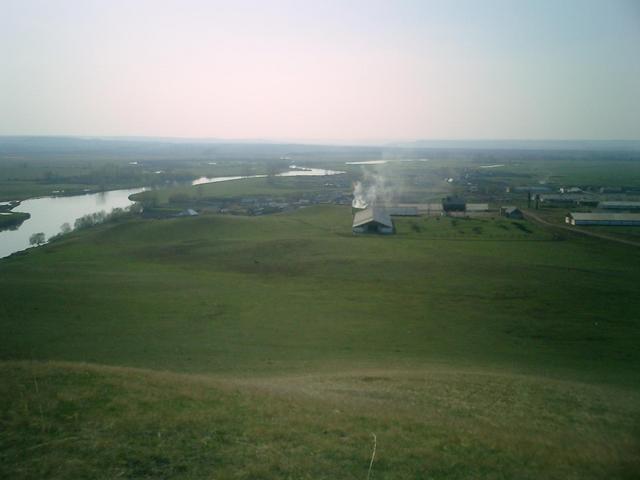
<point>537,218</point>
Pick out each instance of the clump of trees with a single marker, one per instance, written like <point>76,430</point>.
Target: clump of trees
<point>92,219</point>
<point>37,239</point>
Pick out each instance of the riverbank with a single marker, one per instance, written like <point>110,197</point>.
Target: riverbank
<point>58,214</point>
<point>12,220</point>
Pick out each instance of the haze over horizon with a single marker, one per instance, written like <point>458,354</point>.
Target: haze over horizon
<point>341,72</point>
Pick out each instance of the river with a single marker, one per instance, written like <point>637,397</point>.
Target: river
<point>48,214</point>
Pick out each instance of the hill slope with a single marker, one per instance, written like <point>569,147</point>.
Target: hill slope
<point>83,421</point>
<point>274,347</point>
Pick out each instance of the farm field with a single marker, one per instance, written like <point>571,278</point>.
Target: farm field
<point>275,346</point>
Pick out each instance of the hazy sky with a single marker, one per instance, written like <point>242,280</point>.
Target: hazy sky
<point>348,71</point>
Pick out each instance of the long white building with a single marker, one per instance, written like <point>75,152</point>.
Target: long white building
<point>604,218</point>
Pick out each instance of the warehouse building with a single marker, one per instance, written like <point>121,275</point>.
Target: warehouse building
<point>619,205</point>
<point>529,189</point>
<point>401,211</point>
<point>453,204</point>
<point>421,208</point>
<point>566,199</point>
<point>372,220</point>
<point>603,218</point>
<point>476,207</point>
<point>569,199</point>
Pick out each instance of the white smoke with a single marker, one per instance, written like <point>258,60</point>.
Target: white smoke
<point>374,189</point>
<point>359,199</point>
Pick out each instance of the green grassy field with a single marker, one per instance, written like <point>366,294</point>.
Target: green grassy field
<point>273,347</point>
<point>81,421</point>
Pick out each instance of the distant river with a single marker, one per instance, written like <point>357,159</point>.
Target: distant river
<point>294,171</point>
<point>49,213</point>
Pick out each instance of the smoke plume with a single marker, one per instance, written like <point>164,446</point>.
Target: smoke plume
<point>373,189</point>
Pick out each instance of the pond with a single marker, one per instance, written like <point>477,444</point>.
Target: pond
<point>48,214</point>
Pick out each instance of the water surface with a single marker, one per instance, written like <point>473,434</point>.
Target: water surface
<point>49,213</point>
<point>294,171</point>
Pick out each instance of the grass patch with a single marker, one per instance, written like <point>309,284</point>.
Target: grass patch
<point>80,421</point>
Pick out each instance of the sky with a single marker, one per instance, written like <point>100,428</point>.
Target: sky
<point>321,71</point>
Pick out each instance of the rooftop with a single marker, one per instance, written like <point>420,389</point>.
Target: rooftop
<point>606,216</point>
<point>619,204</point>
<point>372,214</point>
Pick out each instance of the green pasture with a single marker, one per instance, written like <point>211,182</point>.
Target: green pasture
<point>62,420</point>
<point>243,295</point>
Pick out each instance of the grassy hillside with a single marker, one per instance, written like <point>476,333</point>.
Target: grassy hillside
<point>298,291</point>
<point>472,348</point>
<point>80,421</point>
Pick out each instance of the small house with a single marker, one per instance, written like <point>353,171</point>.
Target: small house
<point>511,212</point>
<point>189,212</point>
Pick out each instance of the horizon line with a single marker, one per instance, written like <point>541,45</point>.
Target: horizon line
<point>400,143</point>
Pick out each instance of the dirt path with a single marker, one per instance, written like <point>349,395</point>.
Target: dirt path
<point>604,236</point>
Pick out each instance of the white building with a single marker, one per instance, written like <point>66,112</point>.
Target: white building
<point>600,218</point>
<point>477,207</point>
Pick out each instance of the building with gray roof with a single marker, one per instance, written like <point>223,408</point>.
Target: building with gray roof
<point>372,220</point>
<point>511,212</point>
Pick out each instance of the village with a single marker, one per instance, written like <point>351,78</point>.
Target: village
<point>580,207</point>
